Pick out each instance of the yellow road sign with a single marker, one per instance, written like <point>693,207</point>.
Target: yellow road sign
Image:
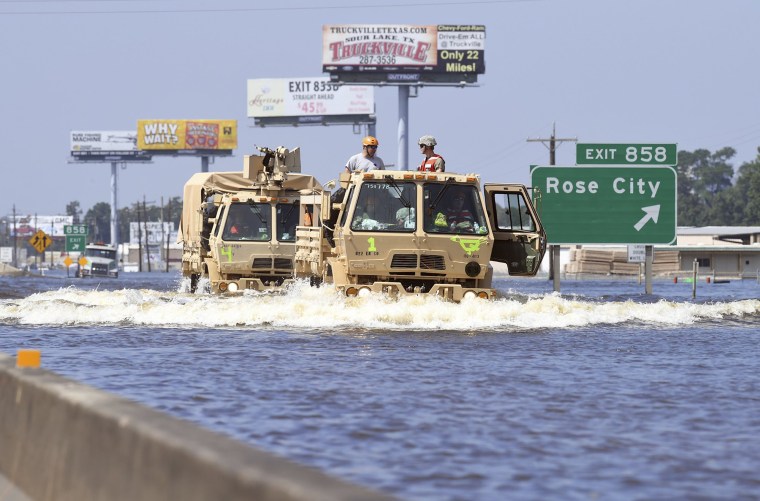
<point>68,262</point>
<point>83,261</point>
<point>40,241</point>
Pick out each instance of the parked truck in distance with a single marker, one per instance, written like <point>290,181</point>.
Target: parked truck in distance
<point>100,261</point>
<point>401,232</point>
<point>238,229</point>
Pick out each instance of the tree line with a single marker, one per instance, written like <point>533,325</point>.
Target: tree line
<point>711,193</point>
<point>98,217</point>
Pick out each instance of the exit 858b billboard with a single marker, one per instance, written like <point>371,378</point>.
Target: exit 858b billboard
<point>187,134</point>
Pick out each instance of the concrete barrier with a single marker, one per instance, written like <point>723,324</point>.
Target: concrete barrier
<point>62,440</point>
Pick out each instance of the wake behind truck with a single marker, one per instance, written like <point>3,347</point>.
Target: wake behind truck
<point>238,229</point>
<point>400,232</point>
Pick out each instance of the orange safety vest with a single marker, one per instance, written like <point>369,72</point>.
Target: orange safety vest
<point>428,165</point>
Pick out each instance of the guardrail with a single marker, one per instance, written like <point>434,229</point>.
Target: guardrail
<point>62,440</point>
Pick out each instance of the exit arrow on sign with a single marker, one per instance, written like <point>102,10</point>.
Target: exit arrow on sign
<point>652,212</point>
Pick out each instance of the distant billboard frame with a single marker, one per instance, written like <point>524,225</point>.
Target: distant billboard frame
<point>106,146</point>
<point>386,54</point>
<point>309,101</point>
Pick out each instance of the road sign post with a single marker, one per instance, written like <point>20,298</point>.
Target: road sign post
<point>607,205</point>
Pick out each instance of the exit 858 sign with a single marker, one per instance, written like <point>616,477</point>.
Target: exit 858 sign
<point>626,154</point>
<point>607,205</point>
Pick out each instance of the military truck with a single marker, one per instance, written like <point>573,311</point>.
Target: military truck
<point>401,232</point>
<point>238,229</point>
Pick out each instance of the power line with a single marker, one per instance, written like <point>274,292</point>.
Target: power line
<point>239,9</point>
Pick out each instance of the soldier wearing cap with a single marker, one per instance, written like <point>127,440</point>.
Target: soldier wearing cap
<point>367,159</point>
<point>433,162</point>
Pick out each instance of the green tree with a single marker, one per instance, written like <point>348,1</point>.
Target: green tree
<point>702,177</point>
<point>73,209</point>
<point>747,193</point>
<point>98,218</point>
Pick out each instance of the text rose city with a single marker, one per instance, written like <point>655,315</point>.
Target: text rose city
<point>619,185</point>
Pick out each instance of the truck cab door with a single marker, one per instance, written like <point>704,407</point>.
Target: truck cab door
<point>519,237</point>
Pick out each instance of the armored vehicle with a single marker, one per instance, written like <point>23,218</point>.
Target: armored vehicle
<point>238,229</point>
<point>402,232</point>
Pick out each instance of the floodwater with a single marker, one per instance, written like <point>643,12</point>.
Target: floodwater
<point>600,392</point>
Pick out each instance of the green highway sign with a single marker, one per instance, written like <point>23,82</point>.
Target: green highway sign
<point>626,154</point>
<point>607,205</point>
<point>75,243</point>
<point>75,229</point>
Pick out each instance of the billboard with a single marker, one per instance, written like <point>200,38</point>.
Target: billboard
<point>115,145</point>
<point>172,136</point>
<point>26,226</point>
<point>306,100</point>
<point>157,233</point>
<point>392,53</point>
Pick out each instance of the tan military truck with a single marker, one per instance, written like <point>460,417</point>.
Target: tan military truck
<point>238,229</point>
<point>400,232</point>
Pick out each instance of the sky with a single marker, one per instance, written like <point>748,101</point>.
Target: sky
<point>601,71</point>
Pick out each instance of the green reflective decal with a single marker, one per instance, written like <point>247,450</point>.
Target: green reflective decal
<point>227,251</point>
<point>469,245</point>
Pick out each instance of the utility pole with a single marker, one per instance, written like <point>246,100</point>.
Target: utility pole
<point>553,249</point>
<point>147,241</point>
<point>139,238</point>
<point>15,238</point>
<point>169,230</point>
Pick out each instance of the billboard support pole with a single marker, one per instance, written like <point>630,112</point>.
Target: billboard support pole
<point>204,163</point>
<point>114,211</point>
<point>403,128</point>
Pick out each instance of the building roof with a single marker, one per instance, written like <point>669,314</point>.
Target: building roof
<point>718,231</point>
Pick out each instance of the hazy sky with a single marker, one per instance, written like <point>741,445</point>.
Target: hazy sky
<point>683,71</point>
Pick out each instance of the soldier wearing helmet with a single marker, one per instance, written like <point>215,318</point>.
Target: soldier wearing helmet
<point>367,159</point>
<point>433,162</point>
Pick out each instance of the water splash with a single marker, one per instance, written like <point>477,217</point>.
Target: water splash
<point>305,308</point>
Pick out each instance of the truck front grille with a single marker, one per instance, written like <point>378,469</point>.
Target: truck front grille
<point>432,262</point>
<point>404,261</point>
<point>262,262</point>
<point>283,263</point>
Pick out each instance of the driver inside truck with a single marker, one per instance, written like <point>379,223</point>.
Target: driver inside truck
<point>247,222</point>
<point>457,217</point>
<point>371,208</point>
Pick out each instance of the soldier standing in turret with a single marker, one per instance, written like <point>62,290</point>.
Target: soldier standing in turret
<point>433,162</point>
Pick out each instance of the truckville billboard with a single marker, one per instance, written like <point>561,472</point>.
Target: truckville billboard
<point>390,53</point>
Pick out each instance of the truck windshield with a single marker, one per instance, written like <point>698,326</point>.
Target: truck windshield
<point>385,206</point>
<point>287,220</point>
<point>458,210</point>
<point>104,253</point>
<point>248,222</point>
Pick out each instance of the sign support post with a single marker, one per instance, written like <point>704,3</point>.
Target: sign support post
<point>648,268</point>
